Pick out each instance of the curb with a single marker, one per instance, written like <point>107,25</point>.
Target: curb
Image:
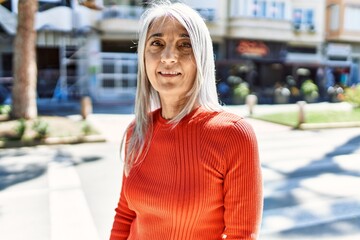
<point>53,141</point>
<point>313,126</point>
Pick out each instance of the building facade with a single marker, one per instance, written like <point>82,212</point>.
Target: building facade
<point>264,43</point>
<point>342,48</point>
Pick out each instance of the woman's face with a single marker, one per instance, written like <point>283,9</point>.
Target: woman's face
<point>169,58</point>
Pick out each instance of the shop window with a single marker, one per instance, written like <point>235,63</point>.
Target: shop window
<point>304,50</point>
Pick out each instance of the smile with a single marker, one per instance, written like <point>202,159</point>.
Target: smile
<point>169,73</point>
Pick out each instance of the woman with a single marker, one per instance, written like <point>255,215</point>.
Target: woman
<point>192,170</point>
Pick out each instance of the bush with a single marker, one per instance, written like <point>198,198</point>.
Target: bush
<point>20,129</point>
<point>309,90</point>
<point>240,92</point>
<point>5,109</point>
<point>86,128</point>
<point>352,95</point>
<point>41,128</point>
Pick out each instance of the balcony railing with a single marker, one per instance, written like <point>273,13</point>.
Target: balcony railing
<point>124,12</point>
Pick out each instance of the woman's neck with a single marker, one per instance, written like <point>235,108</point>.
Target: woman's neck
<point>169,110</point>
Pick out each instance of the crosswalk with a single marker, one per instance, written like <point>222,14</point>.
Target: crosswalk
<point>311,187</point>
<point>311,184</point>
<point>70,216</point>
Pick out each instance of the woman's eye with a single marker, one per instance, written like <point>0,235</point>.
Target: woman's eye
<point>156,43</point>
<point>186,45</point>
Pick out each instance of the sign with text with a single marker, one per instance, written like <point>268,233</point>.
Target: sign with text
<point>252,48</point>
<point>256,49</point>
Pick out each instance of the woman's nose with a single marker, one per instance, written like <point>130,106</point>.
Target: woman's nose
<point>169,55</point>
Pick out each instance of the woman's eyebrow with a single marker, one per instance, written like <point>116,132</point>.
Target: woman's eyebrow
<point>182,35</point>
<point>156,35</point>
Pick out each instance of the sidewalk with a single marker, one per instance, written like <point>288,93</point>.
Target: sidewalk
<point>42,194</point>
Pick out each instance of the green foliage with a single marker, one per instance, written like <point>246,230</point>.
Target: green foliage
<point>86,128</point>
<point>309,88</point>
<point>323,116</point>
<point>241,90</point>
<point>20,129</point>
<point>5,109</point>
<point>41,128</point>
<point>352,95</point>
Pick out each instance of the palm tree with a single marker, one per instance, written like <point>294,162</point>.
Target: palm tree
<point>25,68</point>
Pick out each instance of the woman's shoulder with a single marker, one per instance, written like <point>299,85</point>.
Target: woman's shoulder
<point>226,123</point>
<point>222,119</point>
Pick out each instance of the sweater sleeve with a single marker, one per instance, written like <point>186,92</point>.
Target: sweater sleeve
<point>123,217</point>
<point>243,199</point>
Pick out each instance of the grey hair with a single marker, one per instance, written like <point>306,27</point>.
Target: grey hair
<point>147,99</point>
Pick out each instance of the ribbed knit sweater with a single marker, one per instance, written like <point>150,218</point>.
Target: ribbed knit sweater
<point>198,181</point>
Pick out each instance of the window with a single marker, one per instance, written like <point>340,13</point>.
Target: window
<point>108,83</point>
<point>303,19</point>
<point>268,9</point>
<point>277,10</point>
<point>122,2</point>
<point>352,18</point>
<point>48,4</point>
<point>274,9</point>
<point>297,17</point>
<point>119,71</point>
<point>259,8</point>
<point>334,17</point>
<point>240,8</point>
<point>308,17</point>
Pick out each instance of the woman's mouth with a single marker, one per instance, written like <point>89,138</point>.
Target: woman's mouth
<point>169,73</point>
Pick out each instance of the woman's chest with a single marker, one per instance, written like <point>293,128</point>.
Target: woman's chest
<point>177,174</point>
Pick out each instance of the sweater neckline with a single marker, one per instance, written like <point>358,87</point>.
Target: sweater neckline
<point>191,115</point>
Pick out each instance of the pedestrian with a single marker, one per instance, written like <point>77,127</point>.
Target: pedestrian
<point>192,170</point>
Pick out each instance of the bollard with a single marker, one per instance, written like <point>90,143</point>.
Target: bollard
<point>86,107</point>
<point>301,116</point>
<point>251,101</point>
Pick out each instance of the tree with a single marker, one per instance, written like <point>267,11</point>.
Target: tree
<point>25,67</point>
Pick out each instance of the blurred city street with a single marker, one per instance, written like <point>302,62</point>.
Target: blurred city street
<point>311,182</point>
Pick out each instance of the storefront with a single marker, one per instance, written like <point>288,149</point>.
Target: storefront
<point>338,61</point>
<point>257,63</point>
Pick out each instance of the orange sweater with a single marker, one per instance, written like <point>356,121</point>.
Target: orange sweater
<point>200,180</point>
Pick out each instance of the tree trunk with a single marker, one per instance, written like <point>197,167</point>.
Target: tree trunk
<point>25,67</point>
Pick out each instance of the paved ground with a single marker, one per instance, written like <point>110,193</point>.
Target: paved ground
<point>70,192</point>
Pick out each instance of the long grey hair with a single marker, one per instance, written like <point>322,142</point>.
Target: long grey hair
<point>202,92</point>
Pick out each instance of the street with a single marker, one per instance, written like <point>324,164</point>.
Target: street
<point>311,182</point>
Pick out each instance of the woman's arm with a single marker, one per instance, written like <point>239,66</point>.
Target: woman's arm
<point>243,197</point>
<point>123,217</point>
